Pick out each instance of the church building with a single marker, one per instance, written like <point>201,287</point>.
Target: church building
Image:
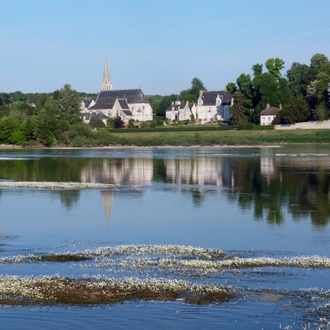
<point>125,103</point>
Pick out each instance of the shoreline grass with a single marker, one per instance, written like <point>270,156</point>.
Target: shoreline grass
<point>221,138</point>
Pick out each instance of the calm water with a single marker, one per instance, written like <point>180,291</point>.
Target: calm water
<point>252,202</point>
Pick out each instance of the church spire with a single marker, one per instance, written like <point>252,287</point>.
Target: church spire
<point>106,83</point>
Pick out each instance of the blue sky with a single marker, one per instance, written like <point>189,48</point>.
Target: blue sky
<point>157,45</point>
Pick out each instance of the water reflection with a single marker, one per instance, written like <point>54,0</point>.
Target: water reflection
<point>268,182</point>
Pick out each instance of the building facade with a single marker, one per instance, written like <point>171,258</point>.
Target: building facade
<point>180,110</point>
<point>125,103</point>
<point>213,106</point>
<point>267,115</point>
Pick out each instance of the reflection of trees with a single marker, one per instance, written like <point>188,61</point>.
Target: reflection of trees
<point>269,185</point>
<point>299,184</point>
<point>68,197</point>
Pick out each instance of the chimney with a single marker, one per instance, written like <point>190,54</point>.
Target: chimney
<point>201,93</point>
<point>267,106</point>
<point>281,106</point>
<point>172,102</point>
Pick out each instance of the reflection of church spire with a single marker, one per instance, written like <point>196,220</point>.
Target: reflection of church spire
<point>107,197</point>
<point>106,83</point>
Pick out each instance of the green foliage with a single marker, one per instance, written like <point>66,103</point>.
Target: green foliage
<point>8,125</point>
<point>244,84</point>
<point>285,93</point>
<point>231,88</point>
<point>266,92</point>
<point>317,61</point>
<point>192,93</point>
<point>118,122</point>
<point>111,123</point>
<point>131,123</point>
<point>299,76</point>
<point>45,126</point>
<point>274,67</point>
<point>253,127</point>
<point>322,82</point>
<point>65,104</point>
<point>320,113</point>
<point>155,102</point>
<point>257,69</point>
<point>165,103</point>
<point>238,110</point>
<point>294,113</point>
<point>17,137</point>
<point>96,122</point>
<point>173,128</point>
<point>196,86</point>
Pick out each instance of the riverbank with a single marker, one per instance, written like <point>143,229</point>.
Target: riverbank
<point>238,138</point>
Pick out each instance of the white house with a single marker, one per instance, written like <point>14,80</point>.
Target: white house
<point>267,115</point>
<point>180,110</point>
<point>213,105</point>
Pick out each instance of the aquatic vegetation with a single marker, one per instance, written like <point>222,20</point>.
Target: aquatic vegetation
<point>100,290</point>
<point>56,185</point>
<point>65,257</point>
<point>139,250</point>
<point>121,250</point>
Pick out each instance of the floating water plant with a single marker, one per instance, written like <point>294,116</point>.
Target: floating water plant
<point>100,290</point>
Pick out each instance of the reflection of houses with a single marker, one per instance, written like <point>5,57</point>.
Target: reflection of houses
<point>180,110</point>
<point>125,103</point>
<point>213,105</point>
<point>120,171</point>
<point>267,164</point>
<point>267,116</point>
<point>201,171</point>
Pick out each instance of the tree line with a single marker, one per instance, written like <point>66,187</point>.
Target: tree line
<point>46,119</point>
<point>303,92</point>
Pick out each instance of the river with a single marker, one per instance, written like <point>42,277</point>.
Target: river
<point>267,208</point>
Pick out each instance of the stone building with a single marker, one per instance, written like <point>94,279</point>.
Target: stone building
<point>213,105</point>
<point>180,110</point>
<point>125,103</point>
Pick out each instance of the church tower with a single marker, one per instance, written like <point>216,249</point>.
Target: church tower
<point>106,83</point>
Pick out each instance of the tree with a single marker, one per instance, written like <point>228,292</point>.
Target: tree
<point>244,84</point>
<point>45,126</point>
<point>265,92</point>
<point>257,69</point>
<point>96,122</point>
<point>299,76</point>
<point>118,122</point>
<point>196,86</point>
<point>238,110</point>
<point>65,104</point>
<point>320,113</point>
<point>274,66</point>
<point>165,103</point>
<point>321,84</point>
<point>317,61</point>
<point>231,88</point>
<point>7,126</point>
<point>294,113</point>
<point>285,93</point>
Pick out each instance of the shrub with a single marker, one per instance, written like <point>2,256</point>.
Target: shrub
<point>131,123</point>
<point>118,122</point>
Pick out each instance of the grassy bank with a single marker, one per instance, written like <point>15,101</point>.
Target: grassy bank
<point>232,137</point>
